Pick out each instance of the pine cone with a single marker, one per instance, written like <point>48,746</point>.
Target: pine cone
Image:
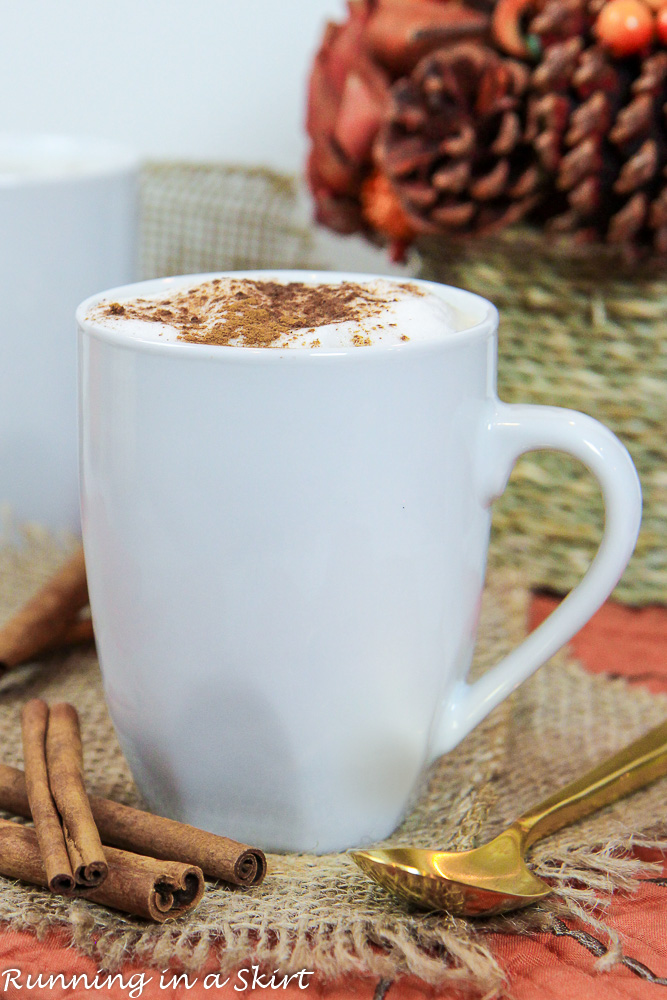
<point>349,94</point>
<point>452,145</point>
<point>599,127</point>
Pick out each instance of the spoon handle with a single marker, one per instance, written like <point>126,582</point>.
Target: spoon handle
<point>631,768</point>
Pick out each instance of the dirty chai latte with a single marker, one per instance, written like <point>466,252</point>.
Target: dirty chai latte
<point>252,313</point>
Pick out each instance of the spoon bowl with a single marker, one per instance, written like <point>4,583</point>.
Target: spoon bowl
<point>495,878</point>
<point>483,881</point>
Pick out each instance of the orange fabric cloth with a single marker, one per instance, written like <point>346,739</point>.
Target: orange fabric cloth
<point>619,641</point>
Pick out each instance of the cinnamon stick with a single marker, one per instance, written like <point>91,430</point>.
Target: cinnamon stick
<point>64,765</point>
<point>79,632</point>
<point>64,824</point>
<point>136,830</point>
<point>46,617</point>
<point>218,857</point>
<point>156,890</point>
<point>48,829</point>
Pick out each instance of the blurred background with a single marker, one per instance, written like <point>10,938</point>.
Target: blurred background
<point>206,80</point>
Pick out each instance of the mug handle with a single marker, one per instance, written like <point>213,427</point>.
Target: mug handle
<point>509,431</point>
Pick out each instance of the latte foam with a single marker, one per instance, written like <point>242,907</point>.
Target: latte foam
<point>251,313</point>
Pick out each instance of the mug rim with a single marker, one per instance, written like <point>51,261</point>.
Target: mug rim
<point>488,321</point>
<point>98,157</point>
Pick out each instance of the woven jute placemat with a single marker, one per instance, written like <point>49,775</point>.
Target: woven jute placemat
<point>198,217</point>
<point>321,913</point>
<point>582,329</point>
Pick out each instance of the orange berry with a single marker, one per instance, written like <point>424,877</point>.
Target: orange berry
<point>625,26</point>
<point>661,25</point>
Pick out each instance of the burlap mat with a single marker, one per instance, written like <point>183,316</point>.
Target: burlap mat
<point>198,217</point>
<point>321,913</point>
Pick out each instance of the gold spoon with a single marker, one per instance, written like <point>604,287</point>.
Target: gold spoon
<point>494,878</point>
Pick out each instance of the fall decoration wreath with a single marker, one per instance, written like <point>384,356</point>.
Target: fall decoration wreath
<point>442,117</point>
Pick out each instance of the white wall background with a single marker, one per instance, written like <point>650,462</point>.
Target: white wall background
<point>174,79</point>
<point>202,79</point>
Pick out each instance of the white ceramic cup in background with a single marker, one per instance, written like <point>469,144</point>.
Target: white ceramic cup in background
<point>68,227</point>
<point>286,552</point>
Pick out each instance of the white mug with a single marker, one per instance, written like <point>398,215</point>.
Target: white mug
<point>286,552</point>
<point>68,226</point>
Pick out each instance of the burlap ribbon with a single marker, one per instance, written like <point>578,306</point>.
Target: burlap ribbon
<point>321,912</point>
